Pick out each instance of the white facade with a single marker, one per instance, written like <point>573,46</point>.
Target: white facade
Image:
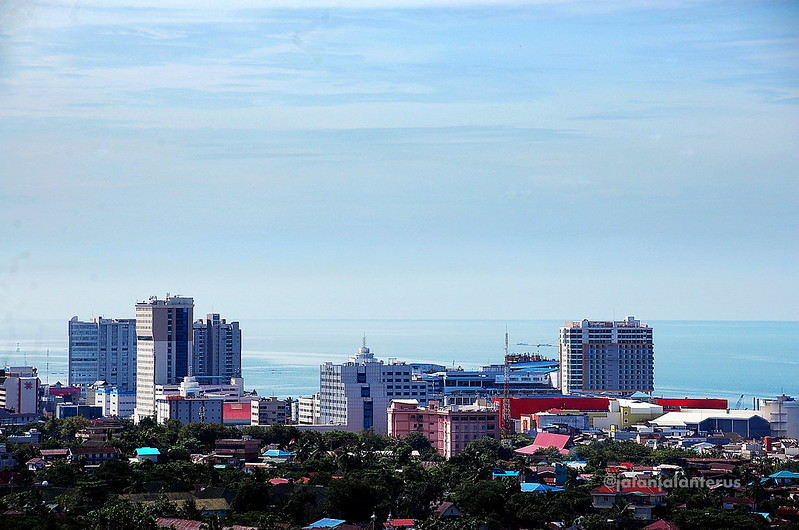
<point>615,358</point>
<point>116,403</point>
<point>102,349</point>
<point>783,415</point>
<point>164,348</point>
<point>308,410</point>
<point>217,348</point>
<point>190,409</point>
<point>19,389</point>
<point>269,411</point>
<point>229,391</point>
<point>356,394</point>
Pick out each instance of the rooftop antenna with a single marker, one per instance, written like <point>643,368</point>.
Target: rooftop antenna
<point>24,356</point>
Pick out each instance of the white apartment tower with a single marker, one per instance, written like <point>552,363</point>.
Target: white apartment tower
<point>164,347</point>
<point>102,349</point>
<point>217,348</point>
<point>606,357</point>
<point>356,394</point>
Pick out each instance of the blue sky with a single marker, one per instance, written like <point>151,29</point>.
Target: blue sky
<point>407,159</point>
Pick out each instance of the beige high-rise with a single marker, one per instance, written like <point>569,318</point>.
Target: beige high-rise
<point>164,339</point>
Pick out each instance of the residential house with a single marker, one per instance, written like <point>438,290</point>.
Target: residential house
<point>35,464</point>
<point>245,449</point>
<point>146,453</point>
<point>93,456</point>
<point>641,499</point>
<point>785,478</point>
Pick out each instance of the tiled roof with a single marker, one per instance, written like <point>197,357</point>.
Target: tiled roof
<point>179,524</point>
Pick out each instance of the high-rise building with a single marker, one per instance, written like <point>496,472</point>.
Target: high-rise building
<point>356,394</point>
<point>164,347</point>
<point>217,348</point>
<point>607,357</point>
<point>102,349</point>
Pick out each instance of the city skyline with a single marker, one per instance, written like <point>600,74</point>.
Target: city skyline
<point>359,159</point>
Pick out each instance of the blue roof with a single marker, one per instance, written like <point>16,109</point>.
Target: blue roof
<point>277,452</point>
<point>537,370</point>
<point>142,451</point>
<point>326,523</point>
<point>534,487</point>
<point>534,364</point>
<point>784,474</point>
<point>506,473</point>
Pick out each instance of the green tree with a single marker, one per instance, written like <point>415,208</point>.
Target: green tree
<point>119,514</point>
<point>339,497</point>
<point>60,473</point>
<point>303,506</point>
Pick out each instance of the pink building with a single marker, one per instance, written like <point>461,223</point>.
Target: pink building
<point>449,429</point>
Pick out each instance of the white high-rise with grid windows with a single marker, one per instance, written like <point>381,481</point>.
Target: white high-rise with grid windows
<point>102,349</point>
<point>356,395</point>
<point>606,357</point>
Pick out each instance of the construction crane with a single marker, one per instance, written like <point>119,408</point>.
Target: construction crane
<point>507,421</point>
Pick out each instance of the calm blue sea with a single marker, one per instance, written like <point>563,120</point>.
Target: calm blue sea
<point>282,357</point>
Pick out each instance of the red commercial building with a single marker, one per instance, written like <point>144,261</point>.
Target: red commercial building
<point>525,406</point>
<point>671,405</point>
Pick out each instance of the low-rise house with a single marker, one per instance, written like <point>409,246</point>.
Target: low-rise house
<point>33,436</point>
<point>641,500</point>
<point>325,523</point>
<point>50,455</point>
<point>400,524</point>
<point>245,449</point>
<point>446,510</point>
<point>101,430</point>
<point>499,474</point>
<point>277,456</point>
<point>785,478</point>
<point>180,524</point>
<point>534,487</point>
<point>662,524</point>
<point>147,453</point>
<point>92,455</point>
<point>730,502</point>
<point>545,440</point>
<point>35,464</point>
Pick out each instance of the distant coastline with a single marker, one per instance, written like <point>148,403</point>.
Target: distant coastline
<point>282,356</point>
